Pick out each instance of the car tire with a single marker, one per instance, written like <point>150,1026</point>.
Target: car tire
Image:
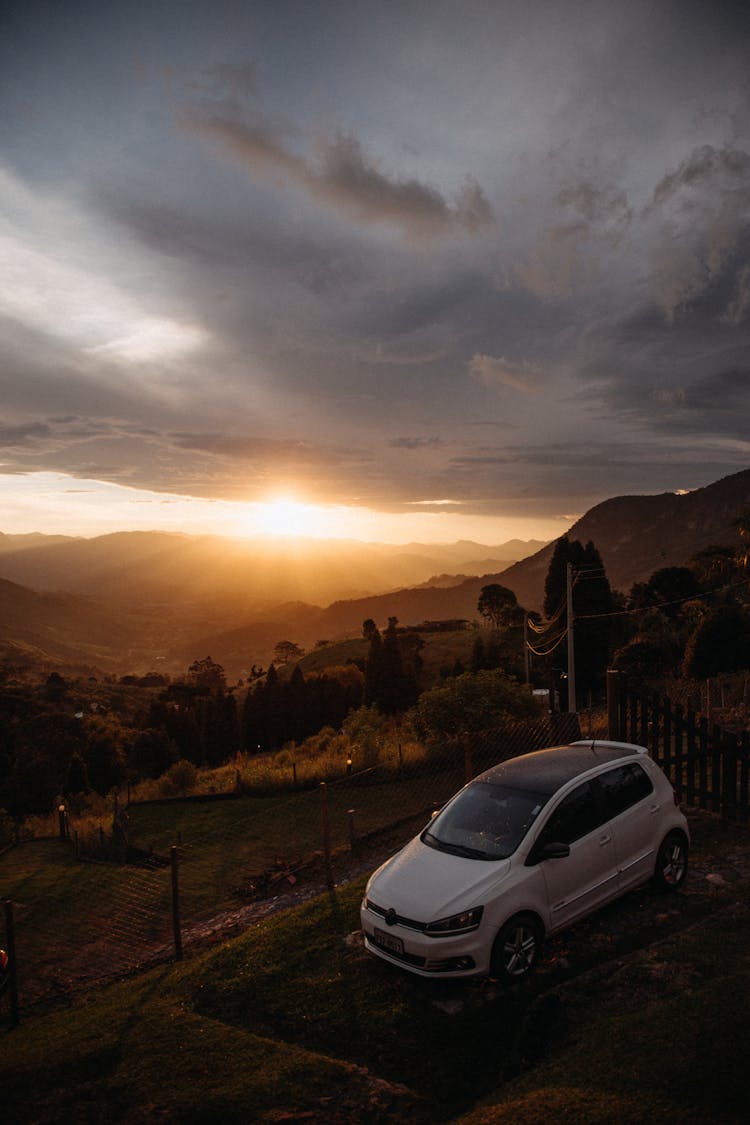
<point>516,949</point>
<point>672,862</point>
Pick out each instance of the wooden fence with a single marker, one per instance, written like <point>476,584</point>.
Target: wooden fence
<point>708,765</point>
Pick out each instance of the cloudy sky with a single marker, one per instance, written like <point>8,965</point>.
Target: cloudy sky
<point>423,270</point>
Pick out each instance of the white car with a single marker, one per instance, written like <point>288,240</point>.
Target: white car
<point>523,851</point>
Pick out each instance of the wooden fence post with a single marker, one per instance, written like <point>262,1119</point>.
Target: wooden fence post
<point>468,764</point>
<point>325,824</point>
<point>10,941</point>
<point>679,729</point>
<point>176,928</point>
<point>744,754</point>
<point>614,705</point>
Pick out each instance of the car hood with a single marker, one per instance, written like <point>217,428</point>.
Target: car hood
<point>425,884</point>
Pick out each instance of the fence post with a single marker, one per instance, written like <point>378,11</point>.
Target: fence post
<point>10,941</point>
<point>614,705</point>
<point>679,730</point>
<point>692,723</point>
<point>352,832</point>
<point>325,823</point>
<point>744,753</point>
<point>703,762</point>
<point>468,764</point>
<point>729,776</point>
<point>176,928</point>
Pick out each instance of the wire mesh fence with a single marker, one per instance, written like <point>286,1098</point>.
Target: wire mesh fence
<point>174,874</point>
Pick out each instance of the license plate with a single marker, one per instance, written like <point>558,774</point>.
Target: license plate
<point>388,941</point>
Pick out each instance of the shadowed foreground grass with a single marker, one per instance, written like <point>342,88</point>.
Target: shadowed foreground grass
<point>294,1018</point>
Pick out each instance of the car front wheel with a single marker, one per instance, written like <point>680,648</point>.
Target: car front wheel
<point>516,949</point>
<point>671,862</point>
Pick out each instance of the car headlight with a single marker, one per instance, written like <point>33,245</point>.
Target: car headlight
<point>456,924</point>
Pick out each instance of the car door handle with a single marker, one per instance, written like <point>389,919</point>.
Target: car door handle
<point>604,840</point>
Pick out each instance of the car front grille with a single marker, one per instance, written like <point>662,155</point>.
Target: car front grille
<point>395,919</point>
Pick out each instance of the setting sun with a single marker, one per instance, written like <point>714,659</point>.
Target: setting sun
<point>287,517</point>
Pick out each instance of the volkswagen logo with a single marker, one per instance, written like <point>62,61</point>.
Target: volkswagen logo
<point>391,917</point>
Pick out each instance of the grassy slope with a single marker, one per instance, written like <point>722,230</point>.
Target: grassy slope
<point>228,842</point>
<point>284,1019</point>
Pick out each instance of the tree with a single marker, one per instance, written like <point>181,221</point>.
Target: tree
<point>742,523</point>
<point>498,605</point>
<point>77,778</point>
<point>643,661</point>
<point>668,588</point>
<point>471,702</point>
<point>714,565</point>
<point>373,664</point>
<point>286,651</point>
<point>369,628</point>
<point>207,675</point>
<point>596,629</point>
<point>720,643</point>
<point>105,754</point>
<point>152,753</point>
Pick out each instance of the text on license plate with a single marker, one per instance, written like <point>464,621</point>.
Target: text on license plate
<point>388,941</point>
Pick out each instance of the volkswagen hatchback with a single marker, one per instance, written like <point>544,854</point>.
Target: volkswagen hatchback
<point>521,852</point>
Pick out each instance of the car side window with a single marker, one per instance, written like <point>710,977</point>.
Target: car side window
<point>624,787</point>
<point>577,814</point>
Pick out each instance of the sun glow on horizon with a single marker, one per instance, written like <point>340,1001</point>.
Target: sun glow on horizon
<point>287,518</point>
<point>56,504</point>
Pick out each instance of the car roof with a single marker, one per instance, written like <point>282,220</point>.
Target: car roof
<point>546,771</point>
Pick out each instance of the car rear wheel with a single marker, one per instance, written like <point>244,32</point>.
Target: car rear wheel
<point>672,861</point>
<point>516,949</point>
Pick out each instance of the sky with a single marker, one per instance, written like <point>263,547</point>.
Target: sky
<point>414,271</point>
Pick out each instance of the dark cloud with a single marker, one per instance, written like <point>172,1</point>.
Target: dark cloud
<point>342,176</point>
<point>22,435</point>
<point>416,443</point>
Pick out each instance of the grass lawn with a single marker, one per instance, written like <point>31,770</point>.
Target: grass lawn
<point>77,919</point>
<point>226,843</point>
<point>292,1018</point>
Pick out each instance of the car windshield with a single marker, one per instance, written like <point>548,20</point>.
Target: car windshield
<point>484,821</point>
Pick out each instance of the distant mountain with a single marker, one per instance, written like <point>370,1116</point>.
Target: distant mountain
<point>230,576</point>
<point>637,535</point>
<point>161,600</point>
<point>51,630</point>
<point>32,539</point>
<point>133,602</point>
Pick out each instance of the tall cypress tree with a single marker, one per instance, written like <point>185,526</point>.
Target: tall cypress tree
<point>592,604</point>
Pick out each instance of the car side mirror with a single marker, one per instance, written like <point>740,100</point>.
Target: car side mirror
<point>553,850</point>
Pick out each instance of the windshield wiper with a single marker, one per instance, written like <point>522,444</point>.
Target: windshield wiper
<point>454,849</point>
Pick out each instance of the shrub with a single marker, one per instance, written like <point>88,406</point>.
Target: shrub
<point>180,778</point>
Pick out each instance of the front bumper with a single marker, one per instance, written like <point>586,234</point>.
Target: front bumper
<point>460,955</point>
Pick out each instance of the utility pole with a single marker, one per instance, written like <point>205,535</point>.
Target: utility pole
<point>526,653</point>
<point>571,644</point>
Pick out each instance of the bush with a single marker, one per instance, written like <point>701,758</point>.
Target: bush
<point>179,779</point>
<point>471,702</point>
